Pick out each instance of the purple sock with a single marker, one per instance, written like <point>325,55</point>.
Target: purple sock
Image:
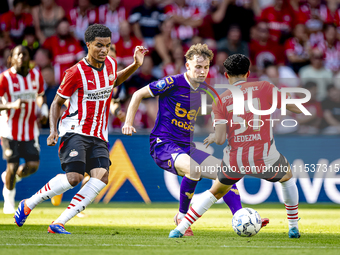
<point>187,191</point>
<point>233,200</point>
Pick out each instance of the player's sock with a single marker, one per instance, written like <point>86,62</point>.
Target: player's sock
<point>55,186</point>
<point>83,198</point>
<point>197,210</point>
<point>291,200</point>
<point>233,200</point>
<point>186,193</point>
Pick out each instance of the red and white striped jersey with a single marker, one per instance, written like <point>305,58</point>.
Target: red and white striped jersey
<point>21,124</point>
<point>89,90</point>
<point>183,32</point>
<point>250,147</point>
<point>111,19</point>
<point>331,54</point>
<point>79,23</point>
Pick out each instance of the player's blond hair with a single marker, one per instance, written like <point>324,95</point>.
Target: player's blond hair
<point>200,50</point>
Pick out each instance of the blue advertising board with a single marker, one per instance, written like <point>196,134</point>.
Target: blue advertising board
<point>135,177</point>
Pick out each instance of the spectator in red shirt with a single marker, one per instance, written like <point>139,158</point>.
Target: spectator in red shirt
<point>126,44</point>
<point>65,49</point>
<point>317,15</point>
<point>14,22</point>
<point>264,49</point>
<point>279,19</point>
<point>186,18</point>
<point>331,48</point>
<point>297,48</point>
<point>81,17</point>
<point>111,15</point>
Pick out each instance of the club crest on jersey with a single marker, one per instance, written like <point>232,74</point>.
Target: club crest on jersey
<point>111,77</point>
<point>161,84</point>
<point>62,83</point>
<point>73,153</point>
<point>34,84</point>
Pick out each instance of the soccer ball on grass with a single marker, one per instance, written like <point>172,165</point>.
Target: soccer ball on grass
<point>246,222</point>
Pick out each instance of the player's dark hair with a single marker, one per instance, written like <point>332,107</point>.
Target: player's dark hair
<point>200,50</point>
<point>9,59</point>
<point>237,64</point>
<point>96,30</point>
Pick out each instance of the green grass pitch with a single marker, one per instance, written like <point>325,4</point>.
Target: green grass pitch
<point>134,228</point>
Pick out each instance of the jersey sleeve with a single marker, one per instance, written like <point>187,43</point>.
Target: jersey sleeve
<point>69,83</point>
<point>41,85</point>
<point>269,95</point>
<point>162,86</point>
<point>3,85</point>
<point>218,114</point>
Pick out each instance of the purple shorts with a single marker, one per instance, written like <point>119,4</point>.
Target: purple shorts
<point>166,152</point>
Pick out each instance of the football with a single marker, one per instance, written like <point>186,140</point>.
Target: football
<point>246,222</point>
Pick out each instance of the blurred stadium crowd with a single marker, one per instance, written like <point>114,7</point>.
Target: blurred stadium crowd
<point>291,43</point>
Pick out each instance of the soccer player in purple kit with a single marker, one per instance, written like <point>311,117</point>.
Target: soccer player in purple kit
<point>171,140</point>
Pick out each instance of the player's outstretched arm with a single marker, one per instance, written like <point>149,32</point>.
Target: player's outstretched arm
<point>220,133</point>
<point>137,97</point>
<point>209,140</point>
<point>44,109</point>
<point>14,105</point>
<point>293,108</point>
<point>138,57</point>
<point>54,116</point>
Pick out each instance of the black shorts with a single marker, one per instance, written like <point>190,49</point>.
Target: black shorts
<point>274,173</point>
<point>13,150</point>
<point>89,150</point>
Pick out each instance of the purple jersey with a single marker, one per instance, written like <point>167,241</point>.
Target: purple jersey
<point>178,108</point>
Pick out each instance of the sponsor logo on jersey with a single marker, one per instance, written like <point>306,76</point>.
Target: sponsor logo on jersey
<point>161,84</point>
<point>182,112</point>
<point>73,153</point>
<point>99,94</point>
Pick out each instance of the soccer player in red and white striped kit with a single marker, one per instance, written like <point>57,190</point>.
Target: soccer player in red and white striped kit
<point>250,147</point>
<point>21,89</point>
<point>83,127</point>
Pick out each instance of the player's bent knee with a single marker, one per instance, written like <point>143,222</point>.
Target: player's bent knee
<point>286,177</point>
<point>74,178</point>
<point>32,166</point>
<point>105,178</point>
